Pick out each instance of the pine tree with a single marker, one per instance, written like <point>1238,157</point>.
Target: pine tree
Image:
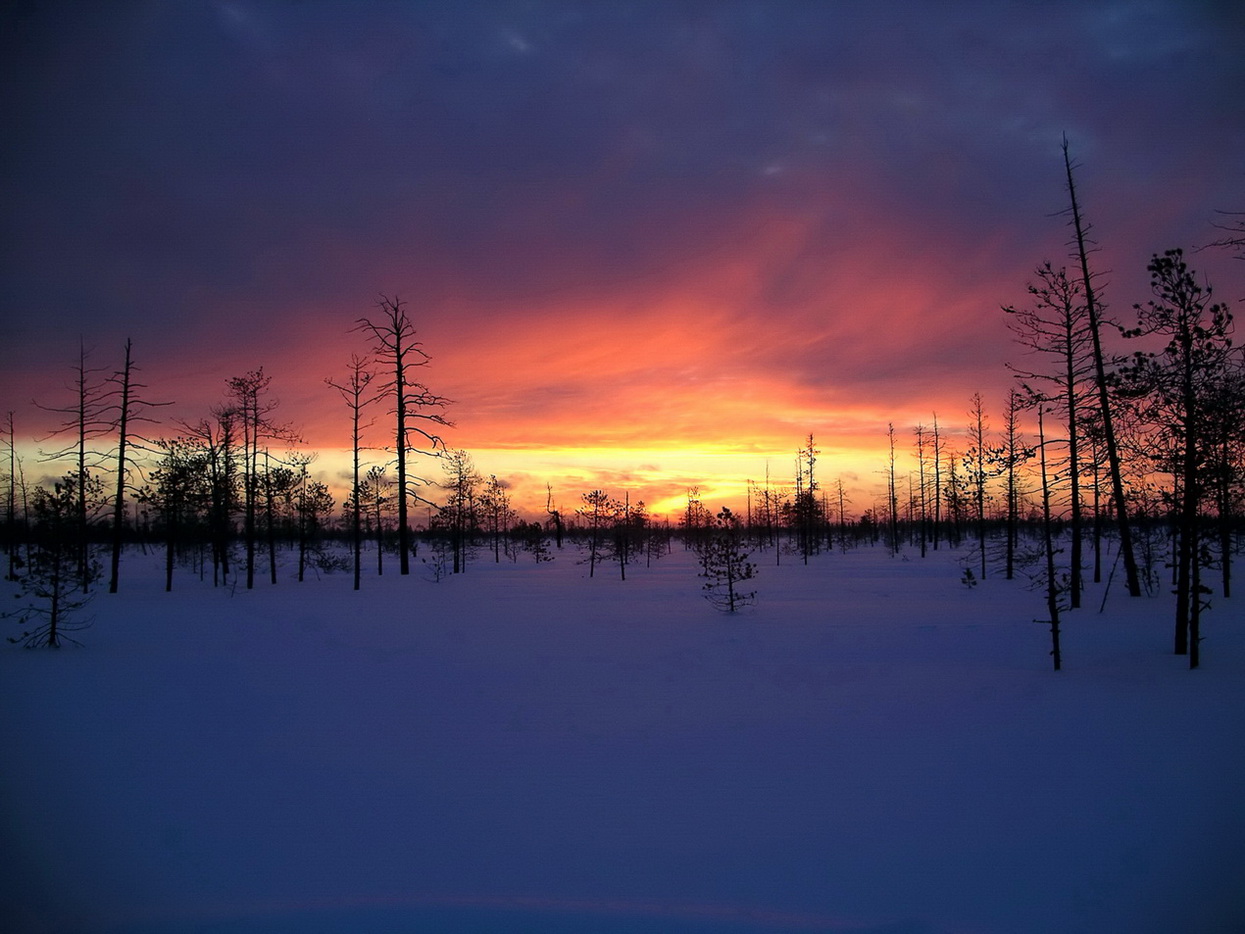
<point>725,566</point>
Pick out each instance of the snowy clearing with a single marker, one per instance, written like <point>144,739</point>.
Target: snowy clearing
<point>872,747</point>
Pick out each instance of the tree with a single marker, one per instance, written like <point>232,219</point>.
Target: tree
<point>1006,460</point>
<point>628,531</point>
<point>415,407</point>
<point>179,488</point>
<point>695,521</point>
<point>725,566</point>
<point>843,500</point>
<point>1048,542</point>
<point>460,515</point>
<point>976,466</point>
<point>922,444</point>
<point>1056,324</point>
<point>497,513</point>
<point>1178,386</point>
<point>1093,314</point>
<point>555,515</point>
<point>598,510</point>
<point>936,444</point>
<point>955,493</point>
<point>12,483</point>
<point>217,437</point>
<point>313,504</point>
<point>531,537</point>
<point>53,596</point>
<point>376,500</point>
<point>892,498</point>
<point>253,410</point>
<point>86,420</point>
<point>1234,230</point>
<point>1225,454</point>
<point>773,504</point>
<point>130,408</point>
<point>356,392</point>
<point>807,508</point>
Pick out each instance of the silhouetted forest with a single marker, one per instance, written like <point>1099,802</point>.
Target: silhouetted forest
<point>1119,454</point>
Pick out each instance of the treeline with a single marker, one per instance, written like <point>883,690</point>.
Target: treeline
<point>1134,456</point>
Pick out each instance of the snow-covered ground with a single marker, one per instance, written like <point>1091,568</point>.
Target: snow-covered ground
<point>873,747</point>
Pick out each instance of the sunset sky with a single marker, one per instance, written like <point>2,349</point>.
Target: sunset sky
<point>647,245</point>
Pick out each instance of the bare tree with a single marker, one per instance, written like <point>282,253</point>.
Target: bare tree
<point>936,450</point>
<point>1048,543</point>
<point>1057,324</point>
<point>415,407</point>
<point>1094,316</point>
<point>922,459</point>
<point>1008,457</point>
<point>555,515</point>
<point>1234,233</point>
<point>356,392</point>
<point>130,408</point>
<point>86,420</point>
<point>12,482</point>
<point>892,498</point>
<point>806,508</point>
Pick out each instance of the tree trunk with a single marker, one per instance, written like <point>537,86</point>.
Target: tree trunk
<point>118,512</point>
<point>1104,401</point>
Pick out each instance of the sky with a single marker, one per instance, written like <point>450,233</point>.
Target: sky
<point>645,245</point>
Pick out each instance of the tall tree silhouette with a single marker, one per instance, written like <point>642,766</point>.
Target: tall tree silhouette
<point>978,465</point>
<point>1093,313</point>
<point>357,392</point>
<point>415,407</point>
<point>86,420</point>
<point>460,515</point>
<point>1056,324</point>
<point>249,395</point>
<point>1048,543</point>
<point>11,483</point>
<point>130,408</point>
<point>1180,384</point>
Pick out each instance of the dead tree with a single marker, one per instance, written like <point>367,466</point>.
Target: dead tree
<point>415,407</point>
<point>130,408</point>
<point>356,392</point>
<point>1093,312</point>
<point>12,482</point>
<point>1056,324</point>
<point>1048,545</point>
<point>86,420</point>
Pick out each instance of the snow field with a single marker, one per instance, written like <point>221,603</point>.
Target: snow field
<point>873,747</point>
